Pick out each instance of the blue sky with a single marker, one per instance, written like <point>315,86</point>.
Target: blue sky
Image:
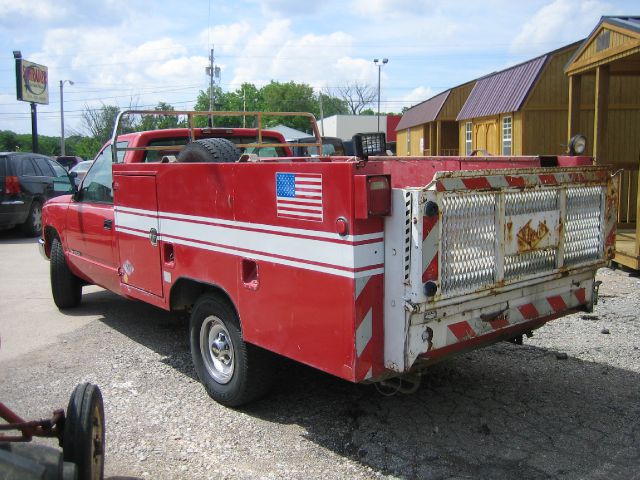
<point>150,51</point>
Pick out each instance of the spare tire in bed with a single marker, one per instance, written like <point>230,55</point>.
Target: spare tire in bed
<point>209,150</point>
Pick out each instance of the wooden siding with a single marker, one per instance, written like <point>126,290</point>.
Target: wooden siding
<point>462,145</point>
<point>621,44</point>
<point>552,88</point>
<point>455,101</point>
<point>628,197</point>
<point>622,142</point>
<point>417,134</point>
<point>401,143</point>
<point>545,132</point>
<point>487,134</point>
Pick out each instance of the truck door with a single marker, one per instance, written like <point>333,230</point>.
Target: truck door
<point>137,232</point>
<point>88,233</point>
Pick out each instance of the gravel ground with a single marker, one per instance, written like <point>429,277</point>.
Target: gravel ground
<point>502,412</point>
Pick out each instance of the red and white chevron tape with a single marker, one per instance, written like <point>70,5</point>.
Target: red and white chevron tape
<point>369,340</point>
<point>544,307</point>
<point>494,182</point>
<point>430,248</point>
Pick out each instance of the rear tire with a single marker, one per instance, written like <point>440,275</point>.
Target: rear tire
<point>218,150</point>
<point>66,288</point>
<point>232,371</point>
<point>32,227</point>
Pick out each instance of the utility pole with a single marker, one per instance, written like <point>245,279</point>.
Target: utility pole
<point>62,82</point>
<point>379,65</point>
<point>244,107</point>
<point>211,72</point>
<point>321,113</point>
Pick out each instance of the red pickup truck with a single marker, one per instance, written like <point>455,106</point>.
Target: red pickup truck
<point>368,267</point>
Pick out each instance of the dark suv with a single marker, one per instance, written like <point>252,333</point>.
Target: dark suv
<point>27,180</point>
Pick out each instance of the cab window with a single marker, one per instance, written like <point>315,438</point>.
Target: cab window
<point>97,184</point>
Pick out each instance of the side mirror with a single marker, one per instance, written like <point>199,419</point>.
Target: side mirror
<point>62,185</point>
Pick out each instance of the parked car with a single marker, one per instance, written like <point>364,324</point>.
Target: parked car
<point>68,161</point>
<point>80,170</point>
<point>27,180</point>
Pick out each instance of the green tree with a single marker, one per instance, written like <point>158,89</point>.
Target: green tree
<point>332,105</point>
<point>99,122</point>
<point>289,97</point>
<point>158,122</point>
<point>8,141</point>
<point>273,97</point>
<point>221,102</point>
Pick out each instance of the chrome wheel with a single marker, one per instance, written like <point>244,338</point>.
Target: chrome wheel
<point>216,349</point>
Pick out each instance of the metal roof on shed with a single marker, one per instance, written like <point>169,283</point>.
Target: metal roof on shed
<point>503,91</point>
<point>424,112</point>
<point>631,23</point>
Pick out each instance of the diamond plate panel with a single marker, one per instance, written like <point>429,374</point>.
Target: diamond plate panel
<point>468,241</point>
<point>583,228</point>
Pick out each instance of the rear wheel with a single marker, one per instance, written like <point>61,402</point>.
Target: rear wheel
<point>33,225</point>
<point>232,371</point>
<point>66,288</point>
<point>210,150</point>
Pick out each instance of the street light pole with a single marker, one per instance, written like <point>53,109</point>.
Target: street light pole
<point>62,82</point>
<point>379,65</point>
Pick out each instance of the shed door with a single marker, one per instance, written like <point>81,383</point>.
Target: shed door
<point>137,230</point>
<point>487,138</point>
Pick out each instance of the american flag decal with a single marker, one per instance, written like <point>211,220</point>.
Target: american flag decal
<point>299,196</point>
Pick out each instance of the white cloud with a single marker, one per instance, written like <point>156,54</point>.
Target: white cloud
<point>42,10</point>
<point>558,23</point>
<point>227,39</point>
<point>384,9</point>
<point>417,95</point>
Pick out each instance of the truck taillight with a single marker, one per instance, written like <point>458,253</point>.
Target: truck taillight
<point>372,196</point>
<point>11,185</point>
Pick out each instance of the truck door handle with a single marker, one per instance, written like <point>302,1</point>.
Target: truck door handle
<point>107,223</point>
<point>153,237</point>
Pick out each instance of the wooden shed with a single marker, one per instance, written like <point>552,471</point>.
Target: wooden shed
<point>604,104</point>
<point>520,110</point>
<point>430,127</point>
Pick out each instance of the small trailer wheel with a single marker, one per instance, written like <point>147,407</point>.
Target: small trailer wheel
<point>83,441</point>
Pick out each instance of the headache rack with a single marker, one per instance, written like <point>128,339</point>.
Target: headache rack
<point>190,117</point>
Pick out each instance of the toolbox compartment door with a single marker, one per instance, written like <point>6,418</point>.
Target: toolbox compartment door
<point>138,232</point>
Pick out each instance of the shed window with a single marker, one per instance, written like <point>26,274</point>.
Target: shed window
<point>603,40</point>
<point>506,136</point>
<point>468,138</point>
